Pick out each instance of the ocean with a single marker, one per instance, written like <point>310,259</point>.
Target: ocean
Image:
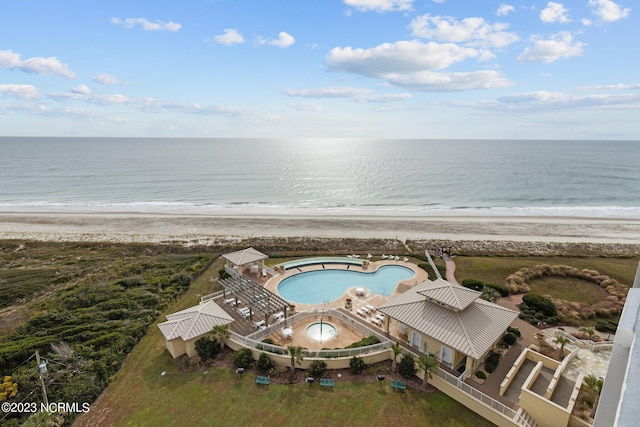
<point>321,176</point>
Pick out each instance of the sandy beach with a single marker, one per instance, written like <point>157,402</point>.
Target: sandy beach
<point>206,229</point>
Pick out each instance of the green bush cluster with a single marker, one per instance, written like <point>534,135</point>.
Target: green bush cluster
<point>370,340</point>
<point>243,358</point>
<point>539,304</point>
<point>606,326</point>
<point>481,375</point>
<point>510,338</point>
<point>514,330</point>
<point>356,365</point>
<point>407,366</point>
<point>317,368</point>
<point>265,364</point>
<point>492,362</point>
<point>207,348</point>
<point>478,285</point>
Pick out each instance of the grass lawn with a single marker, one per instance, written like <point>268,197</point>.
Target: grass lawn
<point>568,288</point>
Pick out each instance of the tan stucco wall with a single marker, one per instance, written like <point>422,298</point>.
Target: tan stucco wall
<point>546,413</point>
<point>176,347</point>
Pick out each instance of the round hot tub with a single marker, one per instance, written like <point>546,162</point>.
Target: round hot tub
<point>321,331</point>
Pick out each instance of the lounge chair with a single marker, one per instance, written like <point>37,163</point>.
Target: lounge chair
<point>370,307</point>
<point>361,312</point>
<point>405,259</point>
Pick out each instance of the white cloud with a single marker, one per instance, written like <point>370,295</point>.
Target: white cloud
<point>284,40</point>
<point>400,57</point>
<point>380,5</point>
<point>229,37</point>
<point>557,47</point>
<point>505,9</point>
<point>618,86</point>
<point>328,92</point>
<point>545,100</point>
<point>554,12</point>
<point>305,106</point>
<point>36,65</point>
<point>146,24</point>
<point>471,31</point>
<point>608,10</point>
<point>449,82</point>
<point>106,79</point>
<point>25,92</point>
<point>355,93</point>
<point>81,89</point>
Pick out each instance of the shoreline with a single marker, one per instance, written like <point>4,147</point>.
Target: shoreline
<point>192,228</point>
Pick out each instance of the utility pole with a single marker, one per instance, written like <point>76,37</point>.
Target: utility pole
<point>42,368</point>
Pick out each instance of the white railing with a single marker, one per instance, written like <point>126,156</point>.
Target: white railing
<point>586,344</point>
<point>211,296</point>
<point>494,404</point>
<point>232,272</point>
<point>255,340</point>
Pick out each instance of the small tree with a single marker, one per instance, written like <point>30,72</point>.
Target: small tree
<point>297,355</point>
<point>243,358</point>
<point>221,333</point>
<point>356,365</point>
<point>595,384</point>
<point>407,366</point>
<point>397,350</point>
<point>317,368</point>
<point>265,364</point>
<point>428,364</point>
<point>562,341</point>
<point>207,348</point>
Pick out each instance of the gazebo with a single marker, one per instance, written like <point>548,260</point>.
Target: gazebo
<point>238,259</point>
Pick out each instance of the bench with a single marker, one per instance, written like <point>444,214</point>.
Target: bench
<point>263,380</point>
<point>326,382</point>
<point>399,385</point>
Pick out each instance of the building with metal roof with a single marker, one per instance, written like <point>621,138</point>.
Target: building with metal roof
<point>449,321</point>
<point>184,328</point>
<point>245,256</point>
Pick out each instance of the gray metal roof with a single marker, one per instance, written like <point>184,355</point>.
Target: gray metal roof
<point>245,256</point>
<point>194,321</point>
<point>472,331</point>
<point>457,297</point>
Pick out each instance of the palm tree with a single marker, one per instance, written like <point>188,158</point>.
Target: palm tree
<point>397,350</point>
<point>220,333</point>
<point>297,355</point>
<point>595,384</point>
<point>562,341</point>
<point>429,365</point>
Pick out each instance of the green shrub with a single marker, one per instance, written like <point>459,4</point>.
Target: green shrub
<point>606,326</point>
<point>551,321</point>
<point>356,365</point>
<point>222,273</point>
<point>539,315</point>
<point>407,366</point>
<point>370,340</point>
<point>243,358</point>
<point>474,284</point>
<point>534,322</point>
<point>265,364</point>
<point>540,303</point>
<point>510,338</point>
<point>489,367</point>
<point>514,331</point>
<point>523,316</point>
<point>207,348</point>
<point>504,292</point>
<point>317,368</point>
<point>481,375</point>
<point>493,358</point>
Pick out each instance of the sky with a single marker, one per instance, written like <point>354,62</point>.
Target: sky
<point>320,69</point>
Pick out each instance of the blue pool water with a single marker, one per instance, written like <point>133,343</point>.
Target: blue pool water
<point>318,286</point>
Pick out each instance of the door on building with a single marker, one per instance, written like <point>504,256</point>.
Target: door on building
<point>445,355</point>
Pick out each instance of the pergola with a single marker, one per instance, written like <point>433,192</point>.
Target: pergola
<point>254,296</point>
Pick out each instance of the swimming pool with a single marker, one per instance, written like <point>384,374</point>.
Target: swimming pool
<point>319,286</point>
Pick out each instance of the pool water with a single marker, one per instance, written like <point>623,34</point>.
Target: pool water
<point>319,286</point>
<point>321,331</point>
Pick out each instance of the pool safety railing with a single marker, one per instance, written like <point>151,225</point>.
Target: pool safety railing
<point>323,260</point>
<point>255,340</point>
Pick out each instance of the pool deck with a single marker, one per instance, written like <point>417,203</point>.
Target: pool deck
<point>358,301</point>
